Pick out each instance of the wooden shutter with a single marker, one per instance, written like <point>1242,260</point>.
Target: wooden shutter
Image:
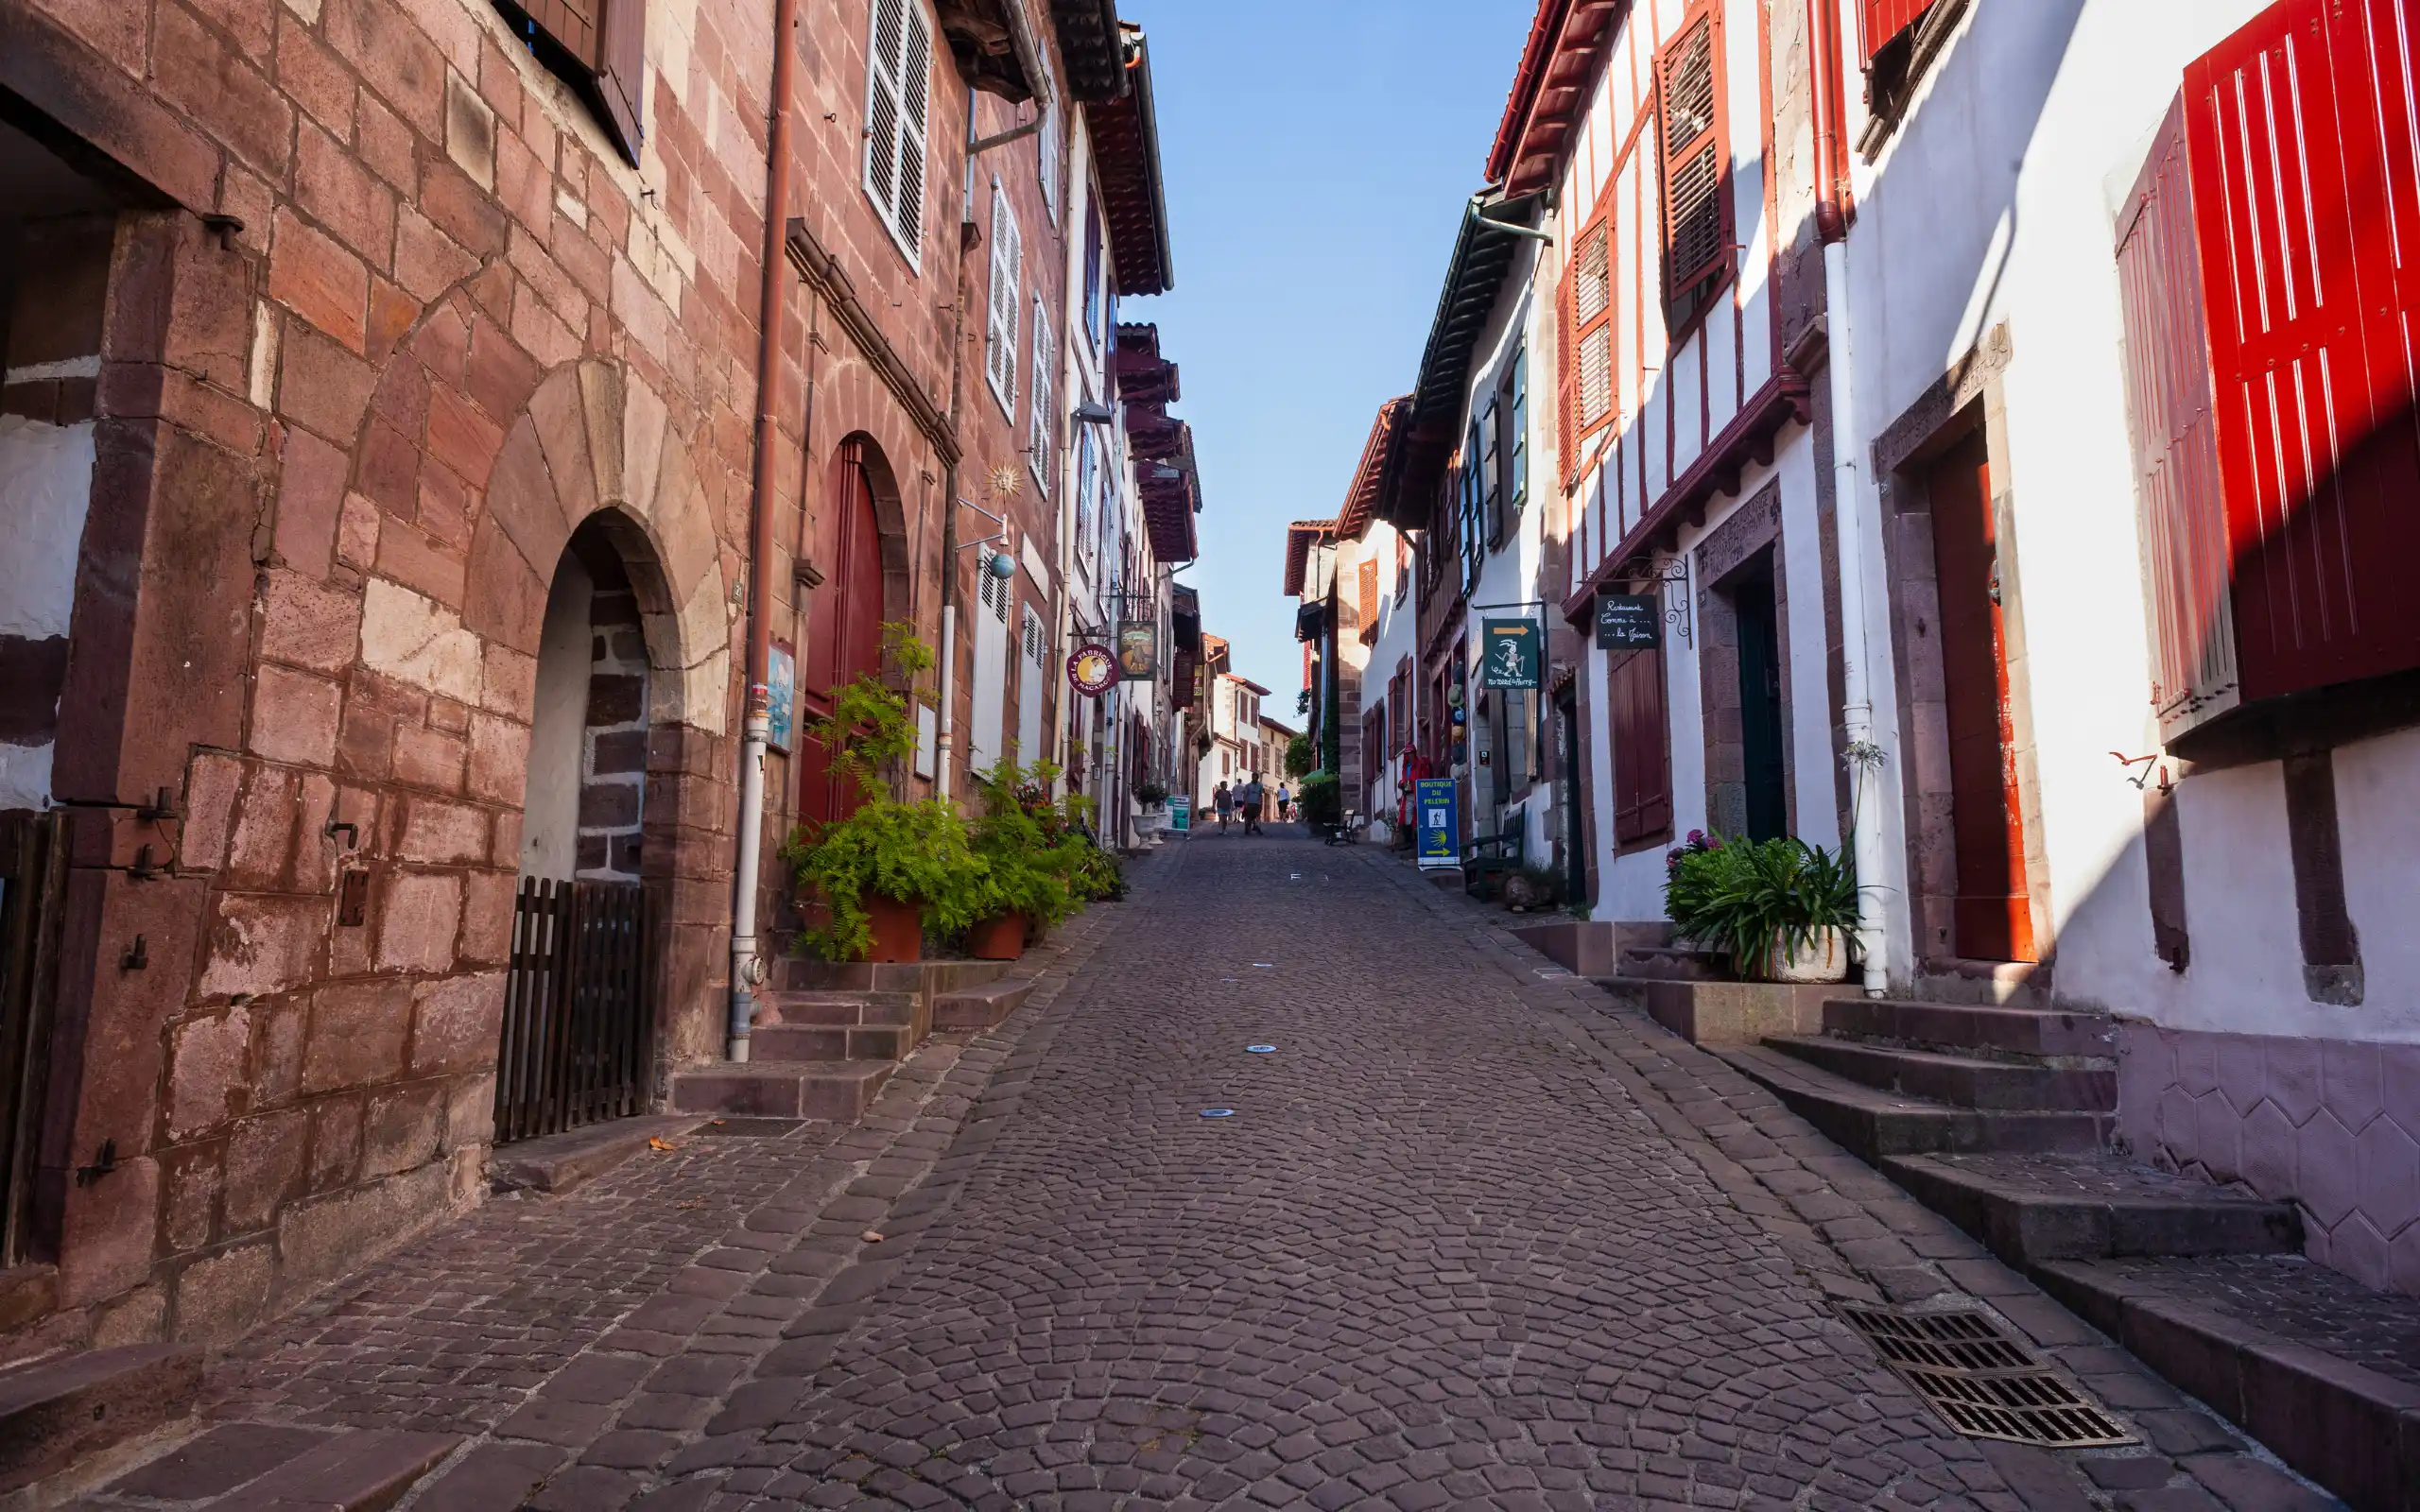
<point>2181,517</point>
<point>1492,470</point>
<point>1516,433</point>
<point>1042,430</point>
<point>1642,749</point>
<point>1046,163</point>
<point>1369,592</point>
<point>1886,19</point>
<point>1697,221</point>
<point>1000,318</point>
<point>604,43</point>
<point>899,55</point>
<point>915,81</point>
<point>1588,344</point>
<point>2299,131</point>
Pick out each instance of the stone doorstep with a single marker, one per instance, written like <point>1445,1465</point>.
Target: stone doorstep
<point>790,1041</point>
<point>2349,1428</point>
<point>836,1091</point>
<point>55,1412</point>
<point>1972,1028</point>
<point>557,1163</point>
<point>2029,1210</point>
<point>827,1010</point>
<point>981,1006</point>
<point>1731,1013</point>
<point>278,1467</point>
<point>1958,1080</point>
<point>1871,1124</point>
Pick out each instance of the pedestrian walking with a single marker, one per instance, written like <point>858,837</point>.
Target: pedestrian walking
<point>1224,802</point>
<point>1285,802</point>
<point>1252,797</point>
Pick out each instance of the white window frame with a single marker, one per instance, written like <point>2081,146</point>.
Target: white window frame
<point>1006,295</point>
<point>905,140</point>
<point>1041,428</point>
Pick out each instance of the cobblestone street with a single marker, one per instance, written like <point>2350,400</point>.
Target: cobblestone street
<point>1473,1236</point>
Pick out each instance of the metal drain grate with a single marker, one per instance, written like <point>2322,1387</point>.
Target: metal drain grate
<point>1986,1384</point>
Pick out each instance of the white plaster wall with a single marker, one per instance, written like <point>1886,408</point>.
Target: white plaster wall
<point>551,805</point>
<point>45,486</point>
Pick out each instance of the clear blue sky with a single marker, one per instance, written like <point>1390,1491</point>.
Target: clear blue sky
<point>1318,154</point>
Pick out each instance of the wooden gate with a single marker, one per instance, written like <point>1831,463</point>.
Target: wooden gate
<point>579,1009</point>
<point>33,885</point>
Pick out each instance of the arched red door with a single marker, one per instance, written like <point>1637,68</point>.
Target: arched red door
<point>843,629</point>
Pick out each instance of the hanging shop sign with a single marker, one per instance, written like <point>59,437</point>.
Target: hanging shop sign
<point>1092,668</point>
<point>1439,830</point>
<point>1629,622</point>
<point>780,697</point>
<point>1509,658</point>
<point>1138,650</point>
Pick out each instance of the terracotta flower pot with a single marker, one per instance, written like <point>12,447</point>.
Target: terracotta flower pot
<point>898,929</point>
<point>1823,957</point>
<point>1000,938</point>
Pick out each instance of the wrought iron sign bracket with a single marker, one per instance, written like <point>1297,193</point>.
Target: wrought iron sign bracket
<point>1673,580</point>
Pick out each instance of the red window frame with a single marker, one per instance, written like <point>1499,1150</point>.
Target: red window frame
<point>1693,158</point>
<point>1595,244</point>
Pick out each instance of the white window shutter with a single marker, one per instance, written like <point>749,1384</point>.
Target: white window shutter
<point>915,81</point>
<point>1000,318</point>
<point>1042,429</point>
<point>883,58</point>
<point>1047,158</point>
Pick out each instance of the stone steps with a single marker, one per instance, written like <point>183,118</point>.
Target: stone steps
<point>257,1467</point>
<point>2322,1371</point>
<point>56,1412</point>
<point>789,1042</point>
<point>1980,1029</point>
<point>2028,1209</point>
<point>981,1005</point>
<point>1872,1124</point>
<point>836,1091</point>
<point>1960,1081</point>
<point>823,1010</point>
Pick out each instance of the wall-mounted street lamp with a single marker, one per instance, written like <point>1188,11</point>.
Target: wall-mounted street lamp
<point>1093,412</point>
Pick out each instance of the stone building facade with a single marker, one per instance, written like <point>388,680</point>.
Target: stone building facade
<point>342,337</point>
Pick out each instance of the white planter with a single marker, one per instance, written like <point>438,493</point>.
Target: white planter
<point>1823,957</point>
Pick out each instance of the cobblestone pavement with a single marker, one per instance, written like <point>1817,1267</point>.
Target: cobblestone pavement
<point>1474,1236</point>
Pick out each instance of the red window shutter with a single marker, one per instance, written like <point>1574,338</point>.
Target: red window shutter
<point>601,50</point>
<point>2299,138</point>
<point>1642,749</point>
<point>2181,517</point>
<point>1697,218</point>
<point>1886,19</point>
<point>1369,586</point>
<point>1588,338</point>
<point>1566,371</point>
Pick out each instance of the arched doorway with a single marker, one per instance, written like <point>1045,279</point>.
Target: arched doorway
<point>576,1042</point>
<point>843,627</point>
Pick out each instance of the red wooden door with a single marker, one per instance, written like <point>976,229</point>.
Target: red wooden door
<point>1990,920</point>
<point>844,630</point>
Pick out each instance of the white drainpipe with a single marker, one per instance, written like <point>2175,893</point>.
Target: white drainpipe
<point>747,971</point>
<point>1871,783</point>
<point>949,666</point>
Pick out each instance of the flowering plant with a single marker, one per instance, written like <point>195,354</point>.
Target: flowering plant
<point>1699,842</point>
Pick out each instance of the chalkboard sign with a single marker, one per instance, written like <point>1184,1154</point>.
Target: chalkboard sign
<point>1628,622</point>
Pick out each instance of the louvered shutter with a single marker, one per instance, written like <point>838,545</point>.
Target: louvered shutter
<point>915,84</point>
<point>606,40</point>
<point>1368,583</point>
<point>1697,232</point>
<point>1591,364</point>
<point>1000,331</point>
<point>2180,515</point>
<point>884,49</point>
<point>1642,749</point>
<point>2299,130</point>
<point>1042,429</point>
<point>1046,147</point>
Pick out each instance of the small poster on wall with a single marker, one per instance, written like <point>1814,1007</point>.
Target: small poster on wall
<point>1138,650</point>
<point>780,697</point>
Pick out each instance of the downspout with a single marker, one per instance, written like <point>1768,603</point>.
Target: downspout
<point>1866,777</point>
<point>747,967</point>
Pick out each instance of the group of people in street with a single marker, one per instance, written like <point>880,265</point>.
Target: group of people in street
<point>1245,801</point>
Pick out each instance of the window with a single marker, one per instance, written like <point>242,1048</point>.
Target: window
<point>1587,337</point>
<point>1000,327</point>
<point>1403,565</point>
<point>1902,37</point>
<point>898,78</point>
<point>1367,581</point>
<point>1473,539</point>
<point>1490,472</point>
<point>1042,429</point>
<point>1087,479</point>
<point>1036,642</point>
<point>1642,749</point>
<point>994,590</point>
<point>1093,251</point>
<point>1516,435</point>
<point>599,48</point>
<point>1697,219</point>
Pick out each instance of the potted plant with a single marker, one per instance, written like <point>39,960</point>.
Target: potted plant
<point>1783,910</point>
<point>1024,890</point>
<point>890,869</point>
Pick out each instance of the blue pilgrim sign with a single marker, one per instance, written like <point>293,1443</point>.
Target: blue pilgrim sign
<point>1433,805</point>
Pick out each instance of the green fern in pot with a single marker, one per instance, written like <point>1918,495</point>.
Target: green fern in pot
<point>1783,910</point>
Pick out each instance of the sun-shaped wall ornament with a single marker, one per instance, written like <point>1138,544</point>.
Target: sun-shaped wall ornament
<point>1007,479</point>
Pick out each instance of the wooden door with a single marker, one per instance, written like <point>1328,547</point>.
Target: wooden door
<point>1761,713</point>
<point>844,630</point>
<point>1991,918</point>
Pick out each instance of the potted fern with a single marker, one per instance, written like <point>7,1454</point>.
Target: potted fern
<point>1783,910</point>
<point>1025,887</point>
<point>889,871</point>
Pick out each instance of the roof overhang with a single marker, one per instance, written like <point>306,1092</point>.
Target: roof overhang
<point>1550,91</point>
<point>1090,45</point>
<point>1300,538</point>
<point>1485,250</point>
<point>1126,152</point>
<point>1166,474</point>
<point>993,46</point>
<point>1361,499</point>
